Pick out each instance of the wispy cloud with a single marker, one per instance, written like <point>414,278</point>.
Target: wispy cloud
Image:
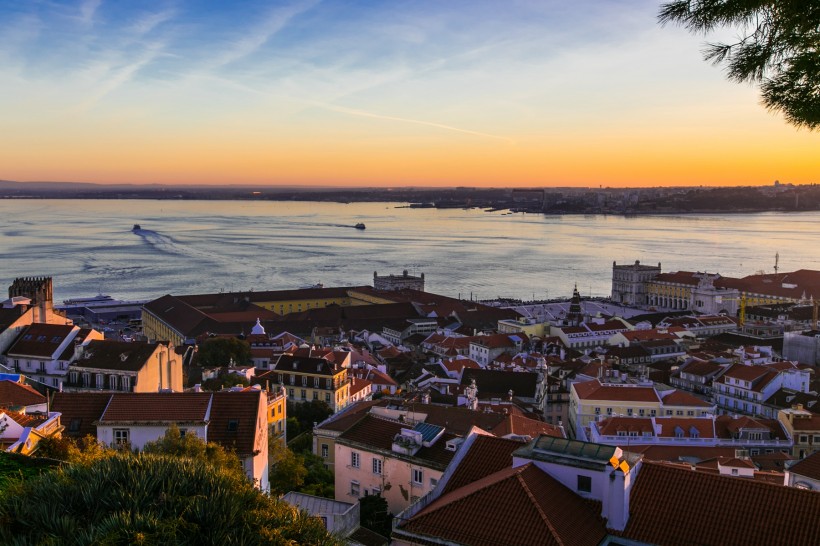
<point>149,22</point>
<point>276,20</point>
<point>362,113</point>
<point>87,10</point>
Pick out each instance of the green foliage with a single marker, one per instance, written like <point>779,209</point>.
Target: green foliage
<point>287,469</point>
<point>319,480</point>
<point>15,467</point>
<point>303,472</point>
<point>220,351</point>
<point>374,514</point>
<point>149,499</point>
<point>83,451</point>
<point>225,381</point>
<point>307,413</point>
<point>294,428</point>
<point>192,447</point>
<point>778,48</point>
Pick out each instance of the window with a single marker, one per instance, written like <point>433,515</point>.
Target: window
<point>641,412</point>
<point>292,379</point>
<point>609,411</point>
<point>669,412</point>
<point>315,395</point>
<point>327,397</point>
<point>433,483</point>
<point>354,488</point>
<point>629,412</point>
<point>42,367</point>
<point>653,413</point>
<point>290,393</point>
<point>690,413</point>
<point>316,382</point>
<point>377,466</point>
<point>597,411</point>
<point>734,472</point>
<point>233,425</point>
<point>755,436</point>
<point>280,378</point>
<point>324,451</point>
<point>377,491</point>
<point>328,383</point>
<point>354,459</point>
<point>121,437</point>
<point>112,382</point>
<point>183,432</point>
<point>815,439</point>
<point>74,425</point>
<point>804,438</point>
<point>418,476</point>
<point>584,484</point>
<point>679,413</point>
<point>304,381</point>
<point>100,380</point>
<point>126,383</point>
<point>304,394</point>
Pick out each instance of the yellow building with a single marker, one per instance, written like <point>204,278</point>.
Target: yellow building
<point>311,378</point>
<point>592,401</point>
<point>277,413</point>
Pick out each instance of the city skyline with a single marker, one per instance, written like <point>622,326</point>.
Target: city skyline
<point>394,94</point>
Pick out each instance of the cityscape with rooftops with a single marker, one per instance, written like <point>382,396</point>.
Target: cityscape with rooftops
<point>574,420</point>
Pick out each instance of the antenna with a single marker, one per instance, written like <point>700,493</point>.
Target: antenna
<point>776,260</point>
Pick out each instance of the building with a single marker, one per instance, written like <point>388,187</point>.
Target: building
<point>485,349</point>
<point>19,397</point>
<point>125,366</point>
<point>399,460</point>
<point>568,492</point>
<point>398,282</point>
<point>236,420</point>
<point>44,351</point>
<point>339,518</point>
<point>21,432</point>
<point>803,347</point>
<point>629,282</point>
<point>311,378</point>
<point>745,388</point>
<point>805,474</point>
<point>804,429</point>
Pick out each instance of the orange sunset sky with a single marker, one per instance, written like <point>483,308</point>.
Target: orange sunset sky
<point>429,93</point>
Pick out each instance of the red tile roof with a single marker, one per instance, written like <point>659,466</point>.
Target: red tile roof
<point>14,395</point>
<point>809,467</point>
<point>727,426</point>
<point>521,506</point>
<point>80,411</point>
<point>24,419</point>
<point>682,398</point>
<point>594,390</point>
<point>524,426</point>
<point>377,433</point>
<point>157,407</point>
<point>674,506</point>
<point>40,340</point>
<point>487,454</point>
<point>669,426</point>
<point>235,419</point>
<point>613,425</point>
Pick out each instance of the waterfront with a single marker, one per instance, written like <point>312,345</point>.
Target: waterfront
<point>210,246</point>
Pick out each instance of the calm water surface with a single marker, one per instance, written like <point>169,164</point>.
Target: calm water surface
<point>210,246</point>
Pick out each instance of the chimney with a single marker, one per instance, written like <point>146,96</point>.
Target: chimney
<point>616,503</point>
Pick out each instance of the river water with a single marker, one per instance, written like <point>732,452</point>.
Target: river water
<point>187,247</point>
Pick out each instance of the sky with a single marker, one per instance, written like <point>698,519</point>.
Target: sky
<point>507,93</point>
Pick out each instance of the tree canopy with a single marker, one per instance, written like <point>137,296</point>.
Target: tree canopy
<point>778,46</point>
<point>192,447</point>
<point>149,499</point>
<point>221,351</point>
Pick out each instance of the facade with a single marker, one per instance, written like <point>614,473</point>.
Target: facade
<point>629,282</point>
<point>44,351</point>
<point>21,432</point>
<point>803,347</point>
<point>485,349</point>
<point>744,388</point>
<point>311,378</point>
<point>398,282</point>
<point>400,461</point>
<point>236,420</point>
<point>125,367</point>
<point>804,428</point>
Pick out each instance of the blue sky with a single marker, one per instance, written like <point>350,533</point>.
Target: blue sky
<point>374,92</point>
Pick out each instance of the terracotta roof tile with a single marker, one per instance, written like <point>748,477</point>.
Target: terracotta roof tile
<point>718,510</point>
<point>14,395</point>
<point>80,411</point>
<point>157,407</point>
<point>487,455</point>
<point>41,340</point>
<point>682,398</point>
<point>594,390</point>
<point>809,467</point>
<point>521,506</point>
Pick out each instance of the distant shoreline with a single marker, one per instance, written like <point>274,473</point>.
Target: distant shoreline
<point>557,201</point>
